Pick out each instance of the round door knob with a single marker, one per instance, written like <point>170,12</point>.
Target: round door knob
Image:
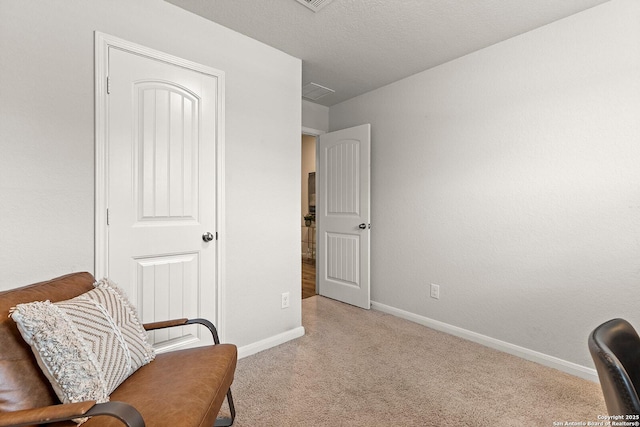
<point>207,237</point>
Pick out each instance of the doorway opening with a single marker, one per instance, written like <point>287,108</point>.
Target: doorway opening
<point>308,209</point>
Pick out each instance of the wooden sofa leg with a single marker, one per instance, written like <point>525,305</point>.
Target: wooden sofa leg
<point>226,421</point>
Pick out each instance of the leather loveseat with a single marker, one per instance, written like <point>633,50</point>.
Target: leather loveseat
<point>179,388</point>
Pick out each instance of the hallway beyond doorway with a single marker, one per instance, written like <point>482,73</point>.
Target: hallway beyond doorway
<point>308,278</point>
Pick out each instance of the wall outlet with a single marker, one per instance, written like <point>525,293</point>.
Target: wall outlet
<point>285,299</point>
<point>435,291</point>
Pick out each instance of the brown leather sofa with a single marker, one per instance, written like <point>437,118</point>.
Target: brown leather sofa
<point>179,388</point>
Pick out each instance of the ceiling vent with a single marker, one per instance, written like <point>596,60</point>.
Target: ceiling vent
<point>314,91</point>
<point>314,5</point>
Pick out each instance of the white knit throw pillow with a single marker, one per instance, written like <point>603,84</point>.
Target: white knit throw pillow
<point>86,346</point>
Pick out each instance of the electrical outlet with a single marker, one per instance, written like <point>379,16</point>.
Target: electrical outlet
<point>285,299</point>
<point>435,291</point>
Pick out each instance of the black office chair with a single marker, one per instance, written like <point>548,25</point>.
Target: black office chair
<point>615,349</point>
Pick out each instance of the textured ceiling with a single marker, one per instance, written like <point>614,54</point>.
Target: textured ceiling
<point>354,46</point>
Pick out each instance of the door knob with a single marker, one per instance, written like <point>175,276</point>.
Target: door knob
<point>207,237</point>
<point>362,226</point>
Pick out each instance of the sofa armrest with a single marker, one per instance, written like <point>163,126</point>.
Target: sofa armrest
<point>129,416</point>
<point>182,322</point>
<point>164,324</point>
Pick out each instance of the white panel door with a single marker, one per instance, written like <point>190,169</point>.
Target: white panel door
<point>161,184</point>
<point>343,215</point>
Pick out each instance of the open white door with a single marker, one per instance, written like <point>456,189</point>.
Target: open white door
<point>343,215</point>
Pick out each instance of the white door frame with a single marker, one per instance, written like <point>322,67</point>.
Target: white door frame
<point>102,43</point>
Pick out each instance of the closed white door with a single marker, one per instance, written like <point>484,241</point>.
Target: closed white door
<point>343,215</point>
<point>161,181</point>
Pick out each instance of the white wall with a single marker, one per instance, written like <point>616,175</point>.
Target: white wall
<point>47,148</point>
<point>315,116</point>
<point>511,178</point>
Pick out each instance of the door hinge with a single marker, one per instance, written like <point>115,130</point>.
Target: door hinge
<point>107,216</point>
<point>108,85</point>
<point>216,235</point>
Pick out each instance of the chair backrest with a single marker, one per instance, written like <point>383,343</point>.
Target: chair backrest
<point>22,384</point>
<point>615,349</point>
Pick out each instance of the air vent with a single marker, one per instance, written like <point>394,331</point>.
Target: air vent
<point>314,5</point>
<point>314,91</point>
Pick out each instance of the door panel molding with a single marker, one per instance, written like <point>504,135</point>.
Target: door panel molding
<point>102,44</point>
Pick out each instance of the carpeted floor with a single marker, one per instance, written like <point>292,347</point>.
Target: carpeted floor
<point>362,368</point>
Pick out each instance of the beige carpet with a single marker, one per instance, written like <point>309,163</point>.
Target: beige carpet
<point>362,368</point>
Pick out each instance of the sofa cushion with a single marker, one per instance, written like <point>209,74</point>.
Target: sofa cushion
<point>88,345</point>
<point>179,388</point>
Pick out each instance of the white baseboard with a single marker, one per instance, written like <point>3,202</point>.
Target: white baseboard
<point>267,343</point>
<point>525,353</point>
